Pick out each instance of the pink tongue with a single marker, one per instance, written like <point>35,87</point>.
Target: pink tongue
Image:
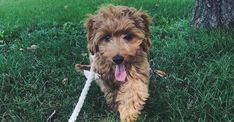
<point>120,73</point>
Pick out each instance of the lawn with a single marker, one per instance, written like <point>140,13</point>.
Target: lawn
<point>199,85</point>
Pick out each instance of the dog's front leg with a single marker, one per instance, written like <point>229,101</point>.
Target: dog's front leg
<point>131,98</point>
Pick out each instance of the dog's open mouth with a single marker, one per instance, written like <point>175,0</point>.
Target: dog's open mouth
<point>120,72</point>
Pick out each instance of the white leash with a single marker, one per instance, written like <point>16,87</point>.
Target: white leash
<point>90,75</point>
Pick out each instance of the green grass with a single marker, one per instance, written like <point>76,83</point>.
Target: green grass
<point>199,63</point>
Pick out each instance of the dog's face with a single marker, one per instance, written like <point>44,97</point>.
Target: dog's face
<point>117,33</point>
<point>120,45</point>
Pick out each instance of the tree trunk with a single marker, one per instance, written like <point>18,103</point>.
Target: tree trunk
<point>213,13</point>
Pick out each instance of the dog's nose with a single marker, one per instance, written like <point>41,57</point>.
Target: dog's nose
<point>118,59</point>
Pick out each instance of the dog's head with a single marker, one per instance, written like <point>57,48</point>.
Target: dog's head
<point>117,33</point>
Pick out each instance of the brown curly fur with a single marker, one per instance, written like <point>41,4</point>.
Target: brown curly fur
<point>126,97</point>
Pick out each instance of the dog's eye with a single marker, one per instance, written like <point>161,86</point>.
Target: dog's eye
<point>107,38</point>
<point>128,36</point>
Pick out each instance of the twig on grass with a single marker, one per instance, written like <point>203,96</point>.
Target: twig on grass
<point>51,115</point>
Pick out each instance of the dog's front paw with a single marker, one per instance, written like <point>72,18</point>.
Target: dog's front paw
<point>81,67</point>
<point>131,118</point>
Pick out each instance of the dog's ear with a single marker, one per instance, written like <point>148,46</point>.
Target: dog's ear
<point>89,25</point>
<point>146,44</point>
<point>142,21</point>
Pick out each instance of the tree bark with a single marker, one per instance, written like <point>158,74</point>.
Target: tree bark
<point>213,13</point>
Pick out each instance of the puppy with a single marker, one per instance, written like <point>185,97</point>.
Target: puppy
<point>118,36</point>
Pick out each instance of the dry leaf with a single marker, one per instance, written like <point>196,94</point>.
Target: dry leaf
<point>32,47</point>
<point>2,44</point>
<point>156,5</point>
<point>160,73</point>
<point>84,54</point>
<point>65,80</point>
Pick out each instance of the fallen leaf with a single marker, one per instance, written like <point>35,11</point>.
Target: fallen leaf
<point>65,80</point>
<point>32,47</point>
<point>2,44</point>
<point>84,54</point>
<point>160,73</point>
<point>156,5</point>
